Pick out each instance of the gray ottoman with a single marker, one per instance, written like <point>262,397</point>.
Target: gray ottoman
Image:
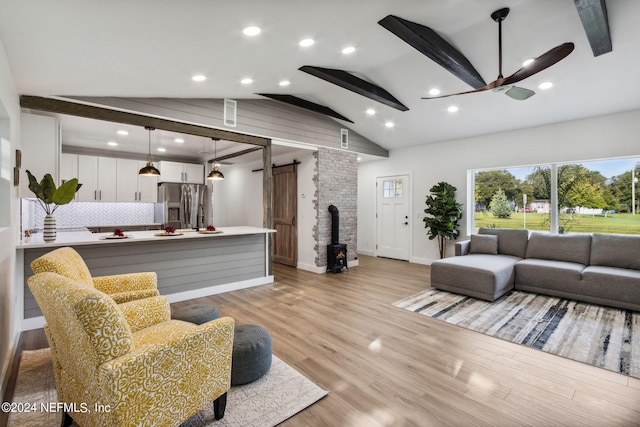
<point>195,313</point>
<point>251,354</point>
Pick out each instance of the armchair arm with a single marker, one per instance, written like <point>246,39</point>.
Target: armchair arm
<point>185,373</point>
<point>462,247</point>
<point>146,312</point>
<point>126,282</point>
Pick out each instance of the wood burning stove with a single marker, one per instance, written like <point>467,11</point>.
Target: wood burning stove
<point>336,252</point>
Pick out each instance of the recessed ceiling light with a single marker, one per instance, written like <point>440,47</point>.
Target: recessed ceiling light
<point>246,81</point>
<point>349,49</point>
<point>162,150</point>
<point>252,31</point>
<point>199,78</point>
<point>112,143</point>
<point>528,62</point>
<point>178,140</point>
<point>434,92</point>
<point>371,111</point>
<point>452,109</point>
<point>389,124</point>
<point>123,132</point>
<point>358,158</point>
<point>307,42</point>
<point>284,83</point>
<point>545,85</point>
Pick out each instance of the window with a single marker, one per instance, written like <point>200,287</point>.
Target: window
<point>392,189</point>
<point>595,196</point>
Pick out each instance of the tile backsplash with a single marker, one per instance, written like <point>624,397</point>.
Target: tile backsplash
<point>88,214</point>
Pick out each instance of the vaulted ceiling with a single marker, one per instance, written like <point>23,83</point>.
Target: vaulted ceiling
<point>149,48</point>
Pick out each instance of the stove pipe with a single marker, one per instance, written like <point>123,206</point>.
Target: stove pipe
<point>335,224</point>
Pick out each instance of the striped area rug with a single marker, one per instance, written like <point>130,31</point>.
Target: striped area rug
<point>601,336</point>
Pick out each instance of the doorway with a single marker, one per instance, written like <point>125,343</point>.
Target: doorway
<point>393,225</point>
<point>285,208</point>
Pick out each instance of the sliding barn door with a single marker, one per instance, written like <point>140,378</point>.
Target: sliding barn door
<point>285,208</point>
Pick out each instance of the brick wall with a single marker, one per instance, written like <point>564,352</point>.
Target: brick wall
<point>336,178</point>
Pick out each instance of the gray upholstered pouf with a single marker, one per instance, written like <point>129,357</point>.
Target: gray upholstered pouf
<point>251,354</point>
<point>195,313</point>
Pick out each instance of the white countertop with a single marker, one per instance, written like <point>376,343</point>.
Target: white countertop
<point>66,238</point>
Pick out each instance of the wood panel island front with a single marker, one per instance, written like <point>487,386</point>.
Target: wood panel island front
<point>189,265</point>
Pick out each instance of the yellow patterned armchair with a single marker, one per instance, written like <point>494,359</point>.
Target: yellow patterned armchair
<point>129,364</point>
<point>121,287</point>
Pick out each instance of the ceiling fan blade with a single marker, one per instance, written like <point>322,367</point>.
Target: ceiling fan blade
<point>432,45</point>
<point>519,93</point>
<point>542,62</point>
<point>494,84</point>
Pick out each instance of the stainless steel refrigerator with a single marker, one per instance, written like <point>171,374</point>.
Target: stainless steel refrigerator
<point>181,205</point>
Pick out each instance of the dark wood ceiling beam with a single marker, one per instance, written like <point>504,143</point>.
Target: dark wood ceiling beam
<point>593,14</point>
<point>307,105</point>
<point>236,154</point>
<point>53,105</point>
<point>355,84</point>
<point>430,44</point>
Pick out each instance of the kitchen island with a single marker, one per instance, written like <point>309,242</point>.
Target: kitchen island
<point>189,264</point>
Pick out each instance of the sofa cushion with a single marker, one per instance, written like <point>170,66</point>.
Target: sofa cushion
<point>477,275</point>
<point>484,244</point>
<point>560,247</point>
<point>613,284</point>
<point>511,241</point>
<point>614,250</point>
<point>543,274</point>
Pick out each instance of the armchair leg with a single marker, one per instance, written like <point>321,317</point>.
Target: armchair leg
<point>219,406</point>
<point>66,420</point>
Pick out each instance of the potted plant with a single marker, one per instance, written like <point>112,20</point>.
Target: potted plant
<point>50,197</point>
<point>443,213</point>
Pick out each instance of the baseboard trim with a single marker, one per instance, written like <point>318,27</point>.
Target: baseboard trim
<point>367,253</point>
<point>39,322</point>
<point>423,261</point>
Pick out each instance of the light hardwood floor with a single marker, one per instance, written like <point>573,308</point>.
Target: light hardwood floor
<point>384,366</point>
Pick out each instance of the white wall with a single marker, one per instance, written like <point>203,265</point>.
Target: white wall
<point>10,292</point>
<point>239,199</point>
<point>601,137</point>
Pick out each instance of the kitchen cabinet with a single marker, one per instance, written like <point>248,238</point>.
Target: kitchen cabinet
<point>68,168</point>
<point>40,148</point>
<point>190,173</point>
<point>98,178</point>
<point>131,187</point>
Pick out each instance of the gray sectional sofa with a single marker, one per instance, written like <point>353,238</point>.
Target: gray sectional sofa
<point>595,268</point>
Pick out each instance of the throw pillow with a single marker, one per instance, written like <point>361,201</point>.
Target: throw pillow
<point>484,244</point>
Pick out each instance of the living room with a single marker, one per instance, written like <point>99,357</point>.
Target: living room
<point>537,388</point>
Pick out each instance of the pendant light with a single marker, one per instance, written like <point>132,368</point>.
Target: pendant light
<point>149,169</point>
<point>215,174</point>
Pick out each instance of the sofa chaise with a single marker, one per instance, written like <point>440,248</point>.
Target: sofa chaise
<point>596,268</point>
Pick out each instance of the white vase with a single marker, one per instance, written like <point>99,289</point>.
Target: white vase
<point>49,233</point>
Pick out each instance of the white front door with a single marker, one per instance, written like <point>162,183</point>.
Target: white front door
<point>392,217</point>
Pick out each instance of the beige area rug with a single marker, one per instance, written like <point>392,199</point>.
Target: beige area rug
<point>280,394</point>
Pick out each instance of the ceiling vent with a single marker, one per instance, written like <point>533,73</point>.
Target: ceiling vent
<point>344,139</point>
<point>230,110</point>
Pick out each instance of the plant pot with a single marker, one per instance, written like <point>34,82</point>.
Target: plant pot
<point>49,233</point>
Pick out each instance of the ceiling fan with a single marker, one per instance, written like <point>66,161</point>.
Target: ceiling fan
<point>506,85</point>
<point>435,47</point>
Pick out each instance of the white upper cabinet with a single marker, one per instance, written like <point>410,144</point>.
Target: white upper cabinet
<point>98,178</point>
<point>40,147</point>
<point>132,187</point>
<point>190,173</point>
<point>68,168</point>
